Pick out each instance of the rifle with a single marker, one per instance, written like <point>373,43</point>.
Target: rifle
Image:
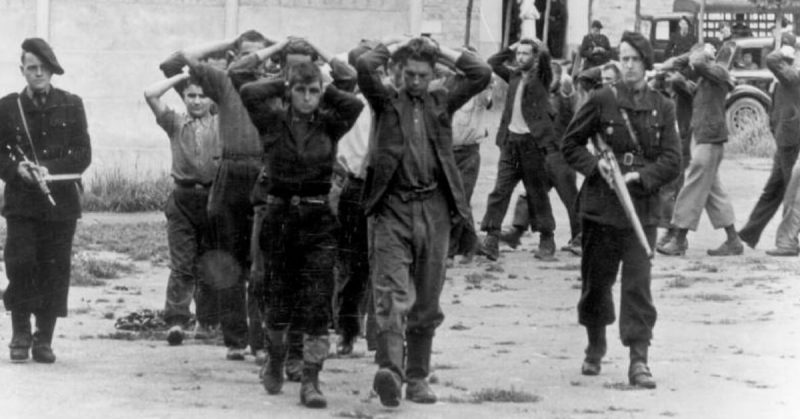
<point>40,180</point>
<point>617,182</point>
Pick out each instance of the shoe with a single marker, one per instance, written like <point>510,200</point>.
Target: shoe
<point>388,386</point>
<point>345,346</point>
<point>294,370</point>
<point>547,247</point>
<point>668,235</point>
<point>511,237</point>
<point>43,353</point>
<point>235,354</point>
<point>20,347</point>
<point>574,246</point>
<point>591,367</point>
<point>750,244</point>
<point>310,394</point>
<point>729,248</point>
<point>674,247</point>
<point>418,391</point>
<point>204,331</point>
<point>271,375</point>
<point>175,335</point>
<point>261,356</point>
<point>783,252</point>
<point>490,247</point>
<point>639,375</point>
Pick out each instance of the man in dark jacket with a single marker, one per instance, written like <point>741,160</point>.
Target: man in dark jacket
<point>702,188</point>
<point>413,194</point>
<point>649,157</point>
<point>786,129</point>
<point>42,135</point>
<point>527,140</point>
<point>595,48</point>
<point>299,232</point>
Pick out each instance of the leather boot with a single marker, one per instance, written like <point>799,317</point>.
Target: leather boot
<point>388,380</point>
<point>490,247</point>
<point>310,394</point>
<point>315,350</point>
<point>418,367</point>
<point>547,246</point>
<point>272,371</point>
<point>294,356</point>
<point>638,373</point>
<point>511,236</point>
<point>595,351</point>
<point>43,338</point>
<point>21,338</point>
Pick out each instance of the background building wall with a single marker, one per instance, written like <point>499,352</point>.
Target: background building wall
<point>111,49</point>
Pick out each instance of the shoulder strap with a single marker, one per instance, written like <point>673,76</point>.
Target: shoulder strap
<point>27,131</point>
<point>627,120</point>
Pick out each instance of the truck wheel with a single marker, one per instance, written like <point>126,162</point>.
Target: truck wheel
<point>744,115</point>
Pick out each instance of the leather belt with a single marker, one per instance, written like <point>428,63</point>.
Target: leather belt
<point>417,194</point>
<point>630,159</point>
<point>192,185</point>
<point>297,200</point>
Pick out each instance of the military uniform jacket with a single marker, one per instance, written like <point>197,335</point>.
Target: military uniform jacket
<point>536,107</point>
<point>657,160</point>
<point>393,124</point>
<point>61,143</point>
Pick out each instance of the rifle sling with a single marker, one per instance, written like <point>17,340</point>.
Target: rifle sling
<point>27,131</point>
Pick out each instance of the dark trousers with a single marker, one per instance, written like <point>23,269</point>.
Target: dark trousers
<point>187,237</point>
<point>230,214</point>
<point>38,260</point>
<point>520,159</point>
<point>409,249</point>
<point>772,196</point>
<point>604,248</point>
<point>563,178</point>
<point>468,161</point>
<point>299,244</point>
<point>353,279</point>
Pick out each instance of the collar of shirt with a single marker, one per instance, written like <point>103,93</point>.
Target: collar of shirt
<point>205,121</point>
<point>31,94</point>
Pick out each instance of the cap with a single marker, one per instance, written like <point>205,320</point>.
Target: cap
<point>41,49</point>
<point>597,24</point>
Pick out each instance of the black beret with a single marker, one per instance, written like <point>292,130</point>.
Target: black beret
<point>640,44</point>
<point>41,49</point>
<point>597,24</point>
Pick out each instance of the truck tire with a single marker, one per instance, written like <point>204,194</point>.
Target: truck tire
<point>745,114</point>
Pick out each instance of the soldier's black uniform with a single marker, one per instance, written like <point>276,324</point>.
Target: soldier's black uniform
<point>608,238</point>
<point>39,239</point>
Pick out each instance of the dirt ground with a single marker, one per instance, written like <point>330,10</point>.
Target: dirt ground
<point>725,346</point>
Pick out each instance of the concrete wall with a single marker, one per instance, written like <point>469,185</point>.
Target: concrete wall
<point>111,49</point>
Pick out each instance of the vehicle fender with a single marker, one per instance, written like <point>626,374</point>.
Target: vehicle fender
<point>743,90</point>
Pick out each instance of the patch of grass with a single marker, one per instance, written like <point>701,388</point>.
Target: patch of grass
<point>140,241</point>
<point>679,282</point>
<point>116,191</point>
<point>499,395</point>
<point>711,296</point>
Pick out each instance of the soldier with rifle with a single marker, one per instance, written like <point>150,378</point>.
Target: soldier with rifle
<point>637,124</point>
<point>43,138</point>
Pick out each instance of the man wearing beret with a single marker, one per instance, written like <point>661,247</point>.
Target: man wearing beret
<point>42,135</point>
<point>638,124</point>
